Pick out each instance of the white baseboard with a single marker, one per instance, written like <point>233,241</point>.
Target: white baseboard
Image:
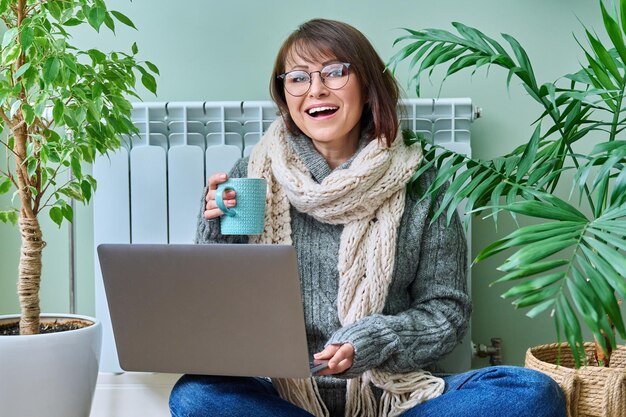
<point>132,394</point>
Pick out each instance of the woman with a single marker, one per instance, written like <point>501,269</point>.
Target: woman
<point>384,290</point>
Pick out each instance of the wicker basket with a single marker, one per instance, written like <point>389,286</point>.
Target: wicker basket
<point>590,391</point>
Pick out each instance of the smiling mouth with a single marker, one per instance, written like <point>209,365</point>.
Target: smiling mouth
<point>322,111</point>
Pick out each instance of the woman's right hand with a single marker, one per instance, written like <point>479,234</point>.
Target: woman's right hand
<point>211,211</point>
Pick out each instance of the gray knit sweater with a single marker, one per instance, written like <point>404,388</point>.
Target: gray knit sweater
<point>427,309</point>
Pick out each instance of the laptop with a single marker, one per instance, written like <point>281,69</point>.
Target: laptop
<point>218,309</point>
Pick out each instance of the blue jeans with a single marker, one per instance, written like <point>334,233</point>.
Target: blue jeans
<point>499,391</point>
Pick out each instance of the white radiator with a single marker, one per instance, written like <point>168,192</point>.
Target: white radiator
<point>149,191</point>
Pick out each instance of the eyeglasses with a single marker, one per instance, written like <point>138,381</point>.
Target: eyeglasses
<point>298,82</point>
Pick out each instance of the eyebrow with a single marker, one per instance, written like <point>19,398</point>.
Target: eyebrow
<point>332,61</point>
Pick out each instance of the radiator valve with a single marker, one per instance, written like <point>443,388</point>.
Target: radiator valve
<point>494,351</point>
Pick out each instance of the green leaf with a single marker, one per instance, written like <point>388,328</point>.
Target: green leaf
<point>463,62</point>
<point>558,203</point>
<point>603,55</point>
<point>572,328</point>
<point>76,168</point>
<point>540,308</point>
<point>531,269</point>
<point>615,281</point>
<point>134,48</point>
<point>108,21</point>
<point>123,19</point>
<point>152,67</point>
<point>601,73</point>
<point>9,36</point>
<point>68,213</point>
<point>8,216</point>
<point>473,35</point>
<point>539,229</point>
<point>56,215</point>
<point>543,210</point>
<point>534,285</point>
<point>21,71</point>
<point>591,308</point>
<point>611,255</point>
<point>57,112</point>
<point>97,56</point>
<point>580,291</point>
<point>618,194</point>
<point>537,251</point>
<point>72,191</point>
<point>536,297</point>
<point>530,151</point>
<point>539,172</point>
<point>612,239</point>
<point>614,226</point>
<point>5,185</point>
<point>622,8</point>
<point>523,60</point>
<point>496,196</point>
<point>29,114</point>
<point>26,37</point>
<point>612,29</point>
<point>456,184</point>
<point>96,17</point>
<point>613,162</point>
<point>72,22</point>
<point>54,9</point>
<point>14,108</point>
<point>604,292</point>
<point>51,69</point>
<point>613,213</point>
<point>10,54</point>
<point>607,147</point>
<point>85,186</point>
<point>31,167</point>
<point>405,52</point>
<point>149,82</point>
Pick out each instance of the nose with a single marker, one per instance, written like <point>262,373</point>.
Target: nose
<point>318,88</point>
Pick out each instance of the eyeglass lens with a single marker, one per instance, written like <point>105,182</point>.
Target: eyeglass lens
<point>334,76</point>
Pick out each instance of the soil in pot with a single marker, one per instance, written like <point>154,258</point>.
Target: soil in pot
<point>48,326</point>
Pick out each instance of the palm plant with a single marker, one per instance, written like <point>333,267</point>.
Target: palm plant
<point>59,106</point>
<point>573,262</point>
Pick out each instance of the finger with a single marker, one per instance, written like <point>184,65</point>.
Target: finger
<point>228,195</point>
<point>210,198</point>
<point>212,214</point>
<point>212,211</point>
<point>341,367</point>
<point>216,179</point>
<point>345,352</point>
<point>210,195</point>
<point>328,352</point>
<point>212,204</point>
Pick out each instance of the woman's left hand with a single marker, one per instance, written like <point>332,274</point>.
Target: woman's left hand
<point>339,358</point>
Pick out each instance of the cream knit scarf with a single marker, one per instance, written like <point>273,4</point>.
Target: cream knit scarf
<point>368,199</point>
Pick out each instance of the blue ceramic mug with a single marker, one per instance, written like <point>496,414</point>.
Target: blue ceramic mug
<point>248,216</point>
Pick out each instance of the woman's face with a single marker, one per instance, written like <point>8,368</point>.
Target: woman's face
<point>338,124</point>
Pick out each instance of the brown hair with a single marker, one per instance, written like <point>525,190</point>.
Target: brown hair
<point>318,39</point>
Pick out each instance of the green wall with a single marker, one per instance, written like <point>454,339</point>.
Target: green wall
<point>209,50</point>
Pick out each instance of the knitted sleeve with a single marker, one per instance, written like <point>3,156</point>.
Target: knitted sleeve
<point>208,231</point>
<point>403,340</point>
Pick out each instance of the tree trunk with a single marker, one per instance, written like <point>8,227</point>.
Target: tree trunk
<point>29,273</point>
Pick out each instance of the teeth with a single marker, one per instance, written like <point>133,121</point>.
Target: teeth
<point>317,109</point>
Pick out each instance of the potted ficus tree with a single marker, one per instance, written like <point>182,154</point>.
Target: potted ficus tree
<point>59,107</point>
<point>571,262</point>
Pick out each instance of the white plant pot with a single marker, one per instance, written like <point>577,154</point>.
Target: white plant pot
<point>49,375</point>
